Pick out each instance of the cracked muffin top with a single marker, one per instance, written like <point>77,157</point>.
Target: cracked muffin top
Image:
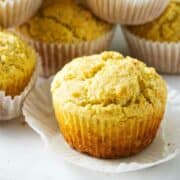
<point>17,61</point>
<point>60,21</point>
<point>164,28</point>
<point>109,83</point>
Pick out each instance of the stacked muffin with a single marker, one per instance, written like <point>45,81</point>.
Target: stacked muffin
<point>128,11</point>
<point>18,73</point>
<point>15,12</point>
<point>18,61</point>
<point>62,30</point>
<point>153,31</point>
<point>158,42</point>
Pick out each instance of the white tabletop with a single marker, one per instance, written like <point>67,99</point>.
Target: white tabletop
<point>23,155</point>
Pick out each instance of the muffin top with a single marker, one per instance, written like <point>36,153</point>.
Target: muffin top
<point>165,28</point>
<point>16,58</point>
<point>60,21</point>
<point>109,83</point>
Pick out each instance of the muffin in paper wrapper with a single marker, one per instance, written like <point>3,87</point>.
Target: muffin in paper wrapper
<point>55,55</point>
<point>16,12</point>
<point>127,11</point>
<point>163,56</point>
<point>11,107</point>
<point>40,116</point>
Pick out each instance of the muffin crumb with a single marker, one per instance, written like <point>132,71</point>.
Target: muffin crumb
<point>64,22</point>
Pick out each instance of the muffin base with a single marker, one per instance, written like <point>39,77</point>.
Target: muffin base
<point>106,139</point>
<point>11,107</point>
<point>13,13</point>
<point>128,11</point>
<point>18,84</point>
<point>163,56</point>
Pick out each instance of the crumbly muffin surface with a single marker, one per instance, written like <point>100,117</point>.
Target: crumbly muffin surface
<point>164,28</point>
<point>64,22</point>
<point>17,61</point>
<point>109,83</point>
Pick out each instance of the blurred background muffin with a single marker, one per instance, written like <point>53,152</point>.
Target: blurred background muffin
<point>17,64</point>
<point>16,12</point>
<point>127,11</point>
<point>17,73</point>
<point>158,42</point>
<point>166,28</point>
<point>62,30</point>
<point>108,105</point>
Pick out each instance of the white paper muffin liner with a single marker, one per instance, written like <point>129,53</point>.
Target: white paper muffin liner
<point>16,12</point>
<point>165,57</point>
<point>128,11</point>
<point>39,114</point>
<point>55,56</point>
<point>11,107</point>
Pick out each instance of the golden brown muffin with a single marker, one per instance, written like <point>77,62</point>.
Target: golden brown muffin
<point>60,21</point>
<point>17,64</point>
<point>164,28</point>
<point>63,30</point>
<point>108,105</point>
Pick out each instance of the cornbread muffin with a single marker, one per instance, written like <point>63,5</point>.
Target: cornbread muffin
<point>16,12</point>
<point>17,64</point>
<point>108,105</point>
<point>165,28</point>
<point>63,30</point>
<point>158,43</point>
<point>60,21</point>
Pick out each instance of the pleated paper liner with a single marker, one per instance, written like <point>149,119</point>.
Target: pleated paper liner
<point>11,107</point>
<point>128,11</point>
<point>55,56</point>
<point>163,56</point>
<point>39,114</point>
<point>106,139</point>
<point>16,12</point>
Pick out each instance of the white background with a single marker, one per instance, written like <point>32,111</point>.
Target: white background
<point>23,155</point>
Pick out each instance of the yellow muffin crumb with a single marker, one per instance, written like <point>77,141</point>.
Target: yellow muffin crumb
<point>17,63</point>
<point>164,28</point>
<point>60,21</point>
